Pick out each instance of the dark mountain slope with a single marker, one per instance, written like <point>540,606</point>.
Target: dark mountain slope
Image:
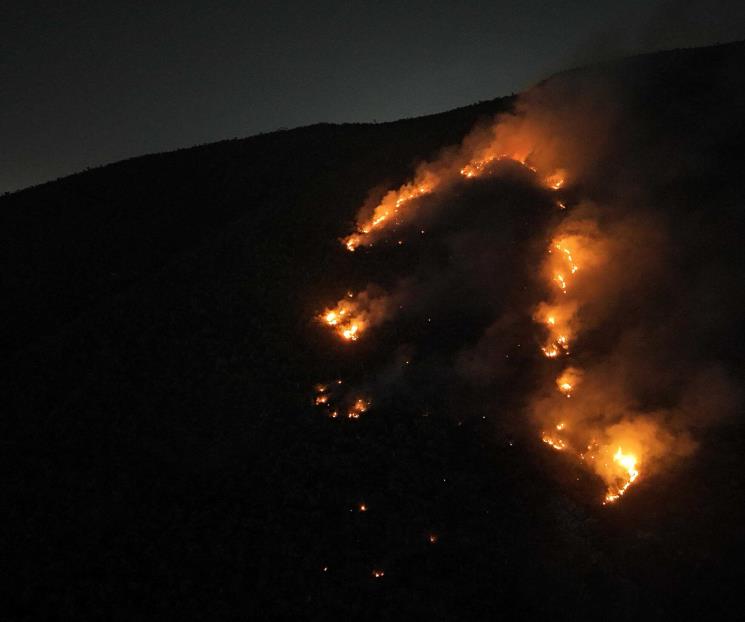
<point>161,454</point>
<point>69,243</point>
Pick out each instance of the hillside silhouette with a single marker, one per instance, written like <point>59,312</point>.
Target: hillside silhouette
<point>163,455</point>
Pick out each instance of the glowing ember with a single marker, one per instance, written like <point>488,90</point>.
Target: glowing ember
<point>433,538</point>
<point>362,507</point>
<point>378,574</point>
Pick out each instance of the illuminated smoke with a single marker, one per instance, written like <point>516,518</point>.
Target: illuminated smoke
<point>622,388</point>
<point>354,314</point>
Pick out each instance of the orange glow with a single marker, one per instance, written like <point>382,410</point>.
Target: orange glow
<point>360,406</point>
<point>555,180</point>
<point>557,443</point>
<point>378,574</point>
<point>568,380</point>
<point>389,210</point>
<point>353,315</point>
<point>628,472</point>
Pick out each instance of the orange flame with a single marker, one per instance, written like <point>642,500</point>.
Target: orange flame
<point>353,315</point>
<point>627,463</point>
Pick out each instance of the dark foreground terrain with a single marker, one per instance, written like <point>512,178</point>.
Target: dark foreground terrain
<point>162,456</point>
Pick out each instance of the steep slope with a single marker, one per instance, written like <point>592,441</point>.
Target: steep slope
<point>162,451</point>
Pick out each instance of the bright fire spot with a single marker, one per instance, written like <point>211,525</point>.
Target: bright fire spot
<point>628,463</point>
<point>352,242</point>
<point>568,380</point>
<point>555,181</point>
<point>347,318</point>
<point>321,399</point>
<point>362,507</point>
<point>344,318</point>
<point>355,313</point>
<point>559,278</point>
<point>433,537</point>
<point>351,332</point>
<point>558,318</point>
<point>554,442</point>
<point>551,351</point>
<point>360,406</point>
<point>377,573</point>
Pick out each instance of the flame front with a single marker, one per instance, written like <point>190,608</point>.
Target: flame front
<point>475,158</point>
<point>627,474</point>
<point>389,210</point>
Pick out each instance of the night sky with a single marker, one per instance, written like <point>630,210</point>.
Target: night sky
<point>87,83</point>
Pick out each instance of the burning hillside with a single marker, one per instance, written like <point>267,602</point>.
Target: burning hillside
<point>608,248</point>
<point>520,393</point>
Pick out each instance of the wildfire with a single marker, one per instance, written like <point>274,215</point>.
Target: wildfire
<point>326,398</point>
<point>568,381</point>
<point>557,443</point>
<point>478,165</point>
<point>352,315</point>
<point>358,407</point>
<point>389,210</point>
<point>551,351</point>
<point>627,462</point>
<point>556,180</point>
<point>393,208</point>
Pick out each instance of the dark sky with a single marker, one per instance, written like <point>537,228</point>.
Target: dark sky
<point>86,83</point>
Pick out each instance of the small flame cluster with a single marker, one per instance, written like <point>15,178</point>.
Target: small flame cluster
<point>345,318</point>
<point>325,398</point>
<point>354,314</point>
<point>560,276</point>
